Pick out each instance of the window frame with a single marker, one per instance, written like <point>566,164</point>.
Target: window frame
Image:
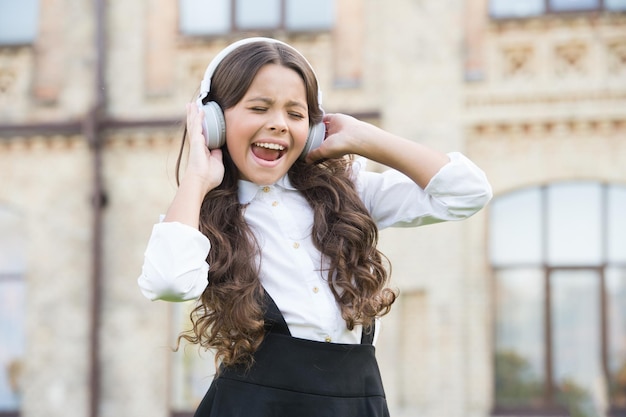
<point>549,10</point>
<point>234,27</point>
<point>550,406</point>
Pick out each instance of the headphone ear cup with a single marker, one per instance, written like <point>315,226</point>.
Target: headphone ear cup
<point>317,134</point>
<point>213,125</point>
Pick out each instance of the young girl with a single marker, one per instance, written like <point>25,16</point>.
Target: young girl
<point>274,228</point>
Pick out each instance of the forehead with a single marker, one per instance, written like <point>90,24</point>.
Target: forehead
<point>278,79</point>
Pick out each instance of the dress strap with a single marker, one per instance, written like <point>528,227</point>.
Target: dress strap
<point>274,320</point>
<point>367,336</point>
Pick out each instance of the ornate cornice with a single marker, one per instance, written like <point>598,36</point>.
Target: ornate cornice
<point>545,22</point>
<point>524,98</point>
<point>549,128</point>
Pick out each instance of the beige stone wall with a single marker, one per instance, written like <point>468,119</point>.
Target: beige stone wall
<point>47,181</point>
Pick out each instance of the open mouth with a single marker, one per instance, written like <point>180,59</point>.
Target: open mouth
<point>268,151</point>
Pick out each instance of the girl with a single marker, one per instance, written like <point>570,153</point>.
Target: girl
<point>275,232</point>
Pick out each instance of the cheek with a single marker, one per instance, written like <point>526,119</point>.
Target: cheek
<point>234,134</point>
<point>234,143</point>
<point>235,147</point>
<point>301,134</point>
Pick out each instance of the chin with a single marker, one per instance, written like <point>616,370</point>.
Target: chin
<point>265,178</point>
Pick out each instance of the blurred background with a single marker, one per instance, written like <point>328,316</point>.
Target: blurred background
<point>518,311</point>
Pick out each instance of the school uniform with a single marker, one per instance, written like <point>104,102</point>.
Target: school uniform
<point>309,363</point>
<point>299,377</point>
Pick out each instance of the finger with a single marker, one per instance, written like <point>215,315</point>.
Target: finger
<point>190,117</point>
<point>194,124</point>
<point>193,113</point>
<point>314,155</point>
<point>217,154</point>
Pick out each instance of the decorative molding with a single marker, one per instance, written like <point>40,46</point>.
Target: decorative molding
<point>521,58</point>
<point>571,58</point>
<point>39,142</point>
<point>555,48</point>
<point>7,79</point>
<point>572,21</point>
<point>9,58</point>
<point>517,61</point>
<point>112,140</point>
<point>616,51</point>
<point>548,128</point>
<point>140,139</point>
<point>478,100</point>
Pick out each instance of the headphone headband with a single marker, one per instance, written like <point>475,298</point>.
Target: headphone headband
<point>205,85</point>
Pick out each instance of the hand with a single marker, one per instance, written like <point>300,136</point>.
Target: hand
<point>343,135</point>
<point>204,165</point>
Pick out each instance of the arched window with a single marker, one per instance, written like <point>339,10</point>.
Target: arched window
<point>12,297</point>
<point>559,259</point>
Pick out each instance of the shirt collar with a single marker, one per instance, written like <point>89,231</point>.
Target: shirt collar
<point>247,190</point>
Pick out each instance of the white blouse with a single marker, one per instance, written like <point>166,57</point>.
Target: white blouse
<point>175,267</point>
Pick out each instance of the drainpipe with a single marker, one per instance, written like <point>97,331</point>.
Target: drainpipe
<point>92,132</point>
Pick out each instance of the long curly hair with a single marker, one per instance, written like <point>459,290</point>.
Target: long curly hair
<point>229,317</point>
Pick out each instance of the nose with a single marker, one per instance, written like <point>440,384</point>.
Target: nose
<point>277,123</point>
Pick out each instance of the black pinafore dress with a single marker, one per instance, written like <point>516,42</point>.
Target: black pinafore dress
<point>294,377</point>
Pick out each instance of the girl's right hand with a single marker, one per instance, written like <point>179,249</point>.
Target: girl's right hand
<point>204,165</point>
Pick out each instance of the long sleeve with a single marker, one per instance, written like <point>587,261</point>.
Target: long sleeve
<point>456,192</point>
<point>174,267</point>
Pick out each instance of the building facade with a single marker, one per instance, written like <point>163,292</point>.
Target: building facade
<point>516,311</point>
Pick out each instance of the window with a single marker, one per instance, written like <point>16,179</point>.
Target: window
<point>559,258</point>
<point>18,21</point>
<point>516,8</point>
<point>529,8</point>
<point>12,298</point>
<point>615,4</point>
<point>573,5</point>
<point>217,17</point>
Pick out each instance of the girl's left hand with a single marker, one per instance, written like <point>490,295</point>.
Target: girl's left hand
<point>343,135</point>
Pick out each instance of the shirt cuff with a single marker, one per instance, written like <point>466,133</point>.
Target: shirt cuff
<point>175,267</point>
<point>462,185</point>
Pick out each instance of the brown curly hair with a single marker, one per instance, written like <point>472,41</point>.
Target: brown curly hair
<point>229,317</point>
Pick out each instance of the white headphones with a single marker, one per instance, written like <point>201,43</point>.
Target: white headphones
<point>214,125</point>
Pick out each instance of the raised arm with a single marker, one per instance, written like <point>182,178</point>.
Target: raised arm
<point>204,171</point>
<point>347,135</point>
<point>175,267</point>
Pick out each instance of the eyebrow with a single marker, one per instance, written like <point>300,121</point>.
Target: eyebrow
<point>267,100</point>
